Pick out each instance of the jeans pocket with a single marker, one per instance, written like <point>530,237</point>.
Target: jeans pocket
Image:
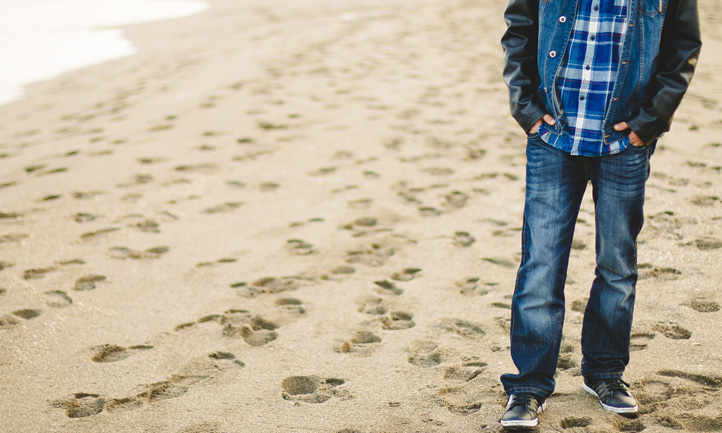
<point>641,148</point>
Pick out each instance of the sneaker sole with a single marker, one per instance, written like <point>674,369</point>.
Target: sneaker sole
<point>530,423</point>
<point>610,408</point>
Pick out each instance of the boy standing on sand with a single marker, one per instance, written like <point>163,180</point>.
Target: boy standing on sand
<point>594,83</point>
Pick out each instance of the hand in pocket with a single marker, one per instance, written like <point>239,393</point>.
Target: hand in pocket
<point>634,139</point>
<point>548,119</point>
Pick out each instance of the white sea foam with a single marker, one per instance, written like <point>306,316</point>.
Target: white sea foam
<point>40,39</point>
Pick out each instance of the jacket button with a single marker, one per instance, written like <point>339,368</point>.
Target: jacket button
<point>552,54</point>
<point>562,19</point>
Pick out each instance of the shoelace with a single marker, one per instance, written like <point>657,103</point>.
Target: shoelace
<point>608,387</point>
<point>521,399</point>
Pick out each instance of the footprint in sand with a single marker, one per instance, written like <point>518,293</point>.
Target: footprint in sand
<point>57,299</point>
<point>81,405</point>
<point>35,274</point>
<point>675,398</point>
<point>85,237</point>
<point>198,370</point>
<point>501,261</point>
<point>707,244</point>
<point>113,353</point>
<point>12,319</point>
<point>363,203</point>
<point>363,226</point>
<point>223,208</point>
<point>502,305</point>
<point>704,200</point>
<point>337,273</point>
<point>88,282</point>
<point>299,247</point>
<point>123,253</point>
<point>469,286</point>
<point>640,340</point>
<point>566,361</point>
<point>701,379</point>
<point>313,389</point>
<point>650,391</point>
<point>647,270</point>
<point>579,305</point>
<point>397,320</point>
<point>255,331</point>
<point>407,274</point>
<point>147,226</point>
<point>425,354</point>
<point>203,168</point>
<point>429,211</point>
<point>361,343</point>
<point>471,396</point>
<point>470,368</point>
<point>13,237</point>
<point>203,427</point>
<point>462,328</point>
<point>267,285</point>
<point>374,255</point>
<point>672,330</point>
<point>703,305</point>
<point>387,288</point>
<point>628,425</point>
<point>372,305</point>
<point>575,421</point>
<point>83,217</point>
<point>291,306</point>
<point>87,195</point>
<point>219,261</point>
<point>456,199</point>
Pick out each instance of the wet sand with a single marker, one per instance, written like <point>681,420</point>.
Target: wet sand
<point>306,218</point>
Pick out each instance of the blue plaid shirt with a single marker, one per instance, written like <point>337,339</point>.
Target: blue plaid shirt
<point>587,76</point>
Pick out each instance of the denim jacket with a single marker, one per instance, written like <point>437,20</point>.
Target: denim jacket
<point>659,55</point>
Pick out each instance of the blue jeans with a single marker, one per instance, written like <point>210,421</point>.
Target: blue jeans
<point>555,185</point>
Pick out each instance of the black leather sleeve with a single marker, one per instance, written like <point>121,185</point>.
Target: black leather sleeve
<point>520,43</point>
<point>679,50</point>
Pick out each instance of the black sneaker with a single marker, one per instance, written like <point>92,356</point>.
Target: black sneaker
<point>521,410</point>
<point>612,394</point>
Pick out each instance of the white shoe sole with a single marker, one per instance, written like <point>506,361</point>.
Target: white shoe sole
<point>611,408</point>
<point>530,423</point>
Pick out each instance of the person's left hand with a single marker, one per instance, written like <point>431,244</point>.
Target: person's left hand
<point>634,139</point>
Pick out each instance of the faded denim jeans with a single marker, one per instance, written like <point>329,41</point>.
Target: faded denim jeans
<point>555,185</point>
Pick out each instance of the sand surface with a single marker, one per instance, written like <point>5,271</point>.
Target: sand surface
<point>304,217</point>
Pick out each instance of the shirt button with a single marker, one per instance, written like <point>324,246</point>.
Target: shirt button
<point>552,54</point>
<point>581,98</point>
<point>596,8</point>
<point>592,37</point>
<point>587,67</point>
<point>562,19</point>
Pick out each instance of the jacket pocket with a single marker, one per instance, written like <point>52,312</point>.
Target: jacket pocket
<point>652,7</point>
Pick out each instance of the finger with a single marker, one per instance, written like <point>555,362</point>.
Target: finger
<point>549,119</point>
<point>535,127</point>
<point>621,126</point>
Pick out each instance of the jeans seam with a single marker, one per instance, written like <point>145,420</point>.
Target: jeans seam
<point>528,389</point>
<point>607,375</point>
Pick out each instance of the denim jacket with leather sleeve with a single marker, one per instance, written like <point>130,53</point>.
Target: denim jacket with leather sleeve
<point>659,54</point>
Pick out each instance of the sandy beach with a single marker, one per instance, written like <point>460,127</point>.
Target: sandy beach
<point>305,217</point>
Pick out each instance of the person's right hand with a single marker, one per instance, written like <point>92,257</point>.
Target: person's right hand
<point>548,119</point>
